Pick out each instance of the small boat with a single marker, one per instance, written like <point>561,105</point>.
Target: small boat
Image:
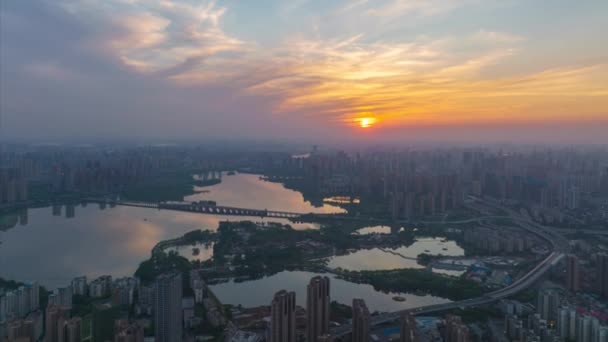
<point>399,299</point>
<point>196,251</point>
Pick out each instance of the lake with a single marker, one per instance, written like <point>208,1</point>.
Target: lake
<point>57,244</point>
<point>260,292</point>
<point>52,245</point>
<point>402,257</point>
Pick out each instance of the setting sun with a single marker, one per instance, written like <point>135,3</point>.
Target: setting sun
<point>366,122</point>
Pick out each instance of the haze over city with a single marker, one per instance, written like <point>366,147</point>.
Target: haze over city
<point>461,70</point>
<point>303,171</point>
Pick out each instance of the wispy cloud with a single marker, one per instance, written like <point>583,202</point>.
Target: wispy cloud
<point>155,36</point>
<point>422,80</point>
<point>397,8</point>
<point>497,37</point>
<point>419,83</point>
<point>315,64</point>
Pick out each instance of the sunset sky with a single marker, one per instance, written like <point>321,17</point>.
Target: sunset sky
<point>306,69</point>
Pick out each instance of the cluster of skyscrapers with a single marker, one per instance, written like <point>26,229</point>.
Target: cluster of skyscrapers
<point>283,310</point>
<point>18,303</point>
<point>591,277</point>
<point>21,318</point>
<point>13,186</point>
<point>499,241</point>
<point>423,182</point>
<point>555,320</point>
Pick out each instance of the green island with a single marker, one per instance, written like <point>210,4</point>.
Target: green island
<point>414,280</point>
<point>245,251</point>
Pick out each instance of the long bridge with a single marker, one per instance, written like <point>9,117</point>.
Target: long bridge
<point>222,210</point>
<point>202,208</point>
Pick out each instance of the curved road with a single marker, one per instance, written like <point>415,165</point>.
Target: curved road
<point>560,246</point>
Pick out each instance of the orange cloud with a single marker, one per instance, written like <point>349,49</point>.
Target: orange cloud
<point>425,83</point>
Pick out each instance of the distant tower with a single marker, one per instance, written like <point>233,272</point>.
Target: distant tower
<point>602,274</point>
<point>283,317</point>
<point>317,308</point>
<point>168,308</point>
<point>361,321</point>
<point>572,273</point>
<point>409,333</point>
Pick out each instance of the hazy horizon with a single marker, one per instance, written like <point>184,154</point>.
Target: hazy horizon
<point>387,71</point>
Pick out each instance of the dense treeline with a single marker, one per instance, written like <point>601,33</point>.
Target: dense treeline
<point>172,186</point>
<point>410,280</point>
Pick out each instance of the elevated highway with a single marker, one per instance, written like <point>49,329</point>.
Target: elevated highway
<point>560,247</point>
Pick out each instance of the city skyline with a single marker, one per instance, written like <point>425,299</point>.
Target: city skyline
<point>345,70</point>
<point>418,244</point>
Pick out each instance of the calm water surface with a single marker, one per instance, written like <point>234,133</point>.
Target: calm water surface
<point>260,292</point>
<point>54,249</point>
<point>373,230</point>
<point>402,257</point>
<point>248,191</point>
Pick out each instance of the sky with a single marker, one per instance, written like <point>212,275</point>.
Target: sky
<point>461,70</point>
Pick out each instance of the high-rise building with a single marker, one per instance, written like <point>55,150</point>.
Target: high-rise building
<point>325,338</point>
<point>572,273</point>
<point>123,290</point>
<point>125,331</point>
<point>602,274</point>
<point>283,317</point>
<point>168,308</point>
<point>563,323</point>
<point>583,329</point>
<point>602,334</point>
<point>100,287</point>
<point>548,305</point>
<point>409,331</point>
<point>317,308</point>
<point>79,286</point>
<point>20,330</point>
<point>62,297</point>
<point>361,321</point>
<point>69,330</point>
<point>54,316</point>
<point>455,330</point>
<point>572,321</point>
<point>18,303</point>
